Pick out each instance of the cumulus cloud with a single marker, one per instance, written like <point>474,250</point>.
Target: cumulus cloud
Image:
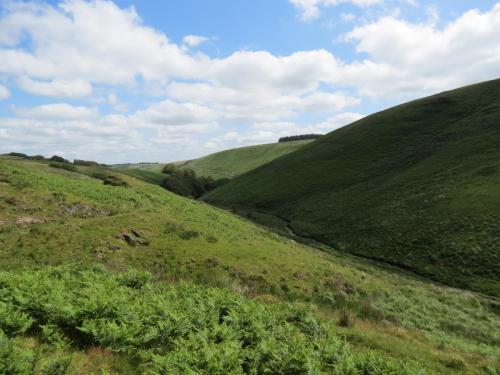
<point>52,51</point>
<point>4,92</point>
<point>311,9</point>
<point>58,111</point>
<point>194,40</point>
<point>56,88</point>
<point>424,58</point>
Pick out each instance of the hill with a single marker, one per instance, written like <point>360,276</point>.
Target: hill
<point>294,296</point>
<point>236,161</point>
<point>416,185</point>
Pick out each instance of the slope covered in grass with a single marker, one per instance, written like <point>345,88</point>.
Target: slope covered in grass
<point>182,329</point>
<point>51,216</point>
<point>233,162</point>
<point>417,185</point>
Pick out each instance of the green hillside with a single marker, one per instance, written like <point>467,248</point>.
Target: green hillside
<point>417,185</point>
<point>287,297</point>
<point>233,162</point>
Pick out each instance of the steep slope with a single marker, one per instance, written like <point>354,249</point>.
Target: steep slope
<point>52,216</point>
<point>417,185</point>
<point>233,162</point>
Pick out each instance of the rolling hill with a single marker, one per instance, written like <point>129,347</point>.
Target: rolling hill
<point>224,164</point>
<point>417,185</point>
<point>236,161</point>
<point>67,240</point>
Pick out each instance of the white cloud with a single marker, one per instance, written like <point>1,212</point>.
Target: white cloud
<point>170,113</point>
<point>311,9</point>
<point>56,88</point>
<point>333,123</point>
<point>424,58</point>
<point>58,111</point>
<point>64,44</point>
<point>257,94</point>
<point>194,40</point>
<point>4,92</point>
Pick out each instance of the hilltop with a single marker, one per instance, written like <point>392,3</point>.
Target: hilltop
<point>416,185</point>
<point>224,164</point>
<point>52,216</point>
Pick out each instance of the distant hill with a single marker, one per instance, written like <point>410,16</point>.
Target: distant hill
<point>223,164</point>
<point>236,161</point>
<point>417,185</point>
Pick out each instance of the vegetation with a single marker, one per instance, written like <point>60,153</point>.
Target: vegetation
<point>416,186</point>
<point>185,182</point>
<point>58,159</point>
<point>87,163</point>
<point>181,329</point>
<point>226,164</point>
<point>66,166</point>
<point>293,138</point>
<point>50,217</point>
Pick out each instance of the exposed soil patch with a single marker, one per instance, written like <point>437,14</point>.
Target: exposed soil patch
<point>28,220</point>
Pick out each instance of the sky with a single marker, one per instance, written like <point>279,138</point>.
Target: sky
<point>144,81</point>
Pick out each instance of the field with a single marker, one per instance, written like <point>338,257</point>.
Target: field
<point>52,217</point>
<point>416,186</point>
<point>224,164</point>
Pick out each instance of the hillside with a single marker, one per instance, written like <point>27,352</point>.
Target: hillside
<point>66,317</point>
<point>416,185</point>
<point>236,161</point>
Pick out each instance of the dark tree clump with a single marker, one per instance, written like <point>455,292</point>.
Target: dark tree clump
<point>185,182</point>
<point>298,137</point>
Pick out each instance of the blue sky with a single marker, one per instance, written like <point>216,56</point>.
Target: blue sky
<point>130,81</point>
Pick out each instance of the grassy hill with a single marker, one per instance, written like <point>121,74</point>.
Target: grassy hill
<point>224,164</point>
<point>81,318</point>
<point>417,185</point>
<point>236,161</point>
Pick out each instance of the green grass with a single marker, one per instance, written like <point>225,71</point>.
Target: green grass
<point>158,329</point>
<point>152,167</point>
<point>416,185</point>
<point>150,176</point>
<point>51,217</point>
<point>234,162</point>
<point>224,164</point>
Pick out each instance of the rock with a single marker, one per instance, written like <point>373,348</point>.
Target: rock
<point>114,247</point>
<point>142,241</point>
<point>129,239</point>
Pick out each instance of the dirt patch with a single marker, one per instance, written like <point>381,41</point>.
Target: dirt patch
<point>28,220</point>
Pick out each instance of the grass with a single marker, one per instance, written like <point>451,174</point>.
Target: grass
<point>51,217</point>
<point>176,329</point>
<point>224,164</point>
<point>416,186</point>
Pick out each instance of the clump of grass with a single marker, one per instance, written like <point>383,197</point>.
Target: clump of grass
<point>346,318</point>
<point>188,234</point>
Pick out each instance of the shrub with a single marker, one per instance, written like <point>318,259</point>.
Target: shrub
<point>173,329</point>
<point>56,366</point>
<point>59,159</point>
<point>14,360</point>
<point>87,163</point>
<point>18,155</point>
<point>66,166</point>
<point>298,137</point>
<point>37,157</point>
<point>114,181</point>
<point>185,182</point>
